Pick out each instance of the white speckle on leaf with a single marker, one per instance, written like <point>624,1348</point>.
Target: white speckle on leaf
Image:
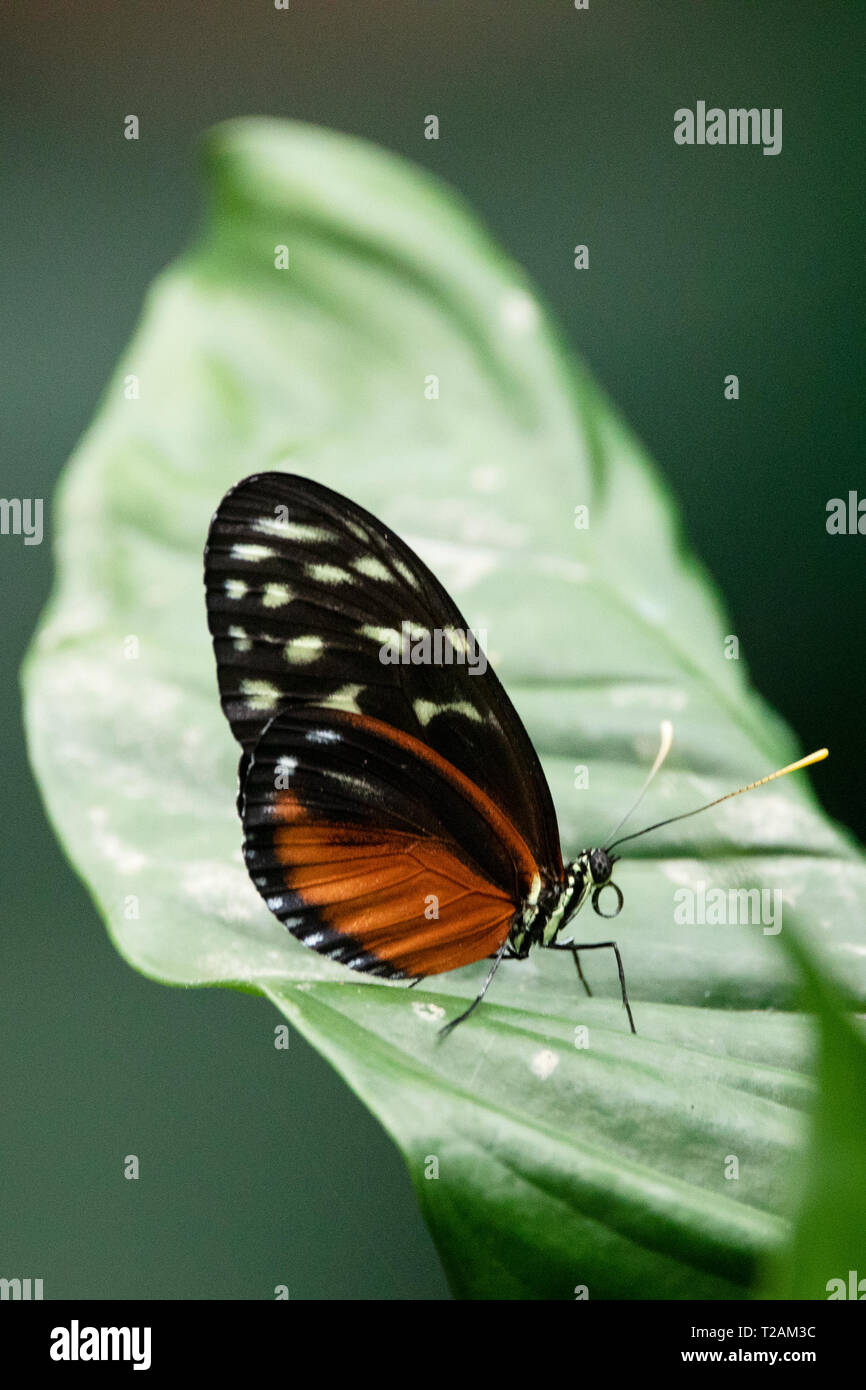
<point>544,1063</point>
<point>459,567</point>
<point>124,858</point>
<point>574,571</point>
<point>655,697</point>
<point>519,311</point>
<point>192,741</point>
<point>682,871</point>
<point>651,609</point>
<point>86,615</point>
<point>221,890</point>
<point>428,1011</point>
<point>488,478</point>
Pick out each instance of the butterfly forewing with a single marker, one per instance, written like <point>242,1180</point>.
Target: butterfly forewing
<point>373,849</point>
<point>305,588</point>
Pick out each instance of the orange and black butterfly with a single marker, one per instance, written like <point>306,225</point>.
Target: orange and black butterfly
<point>395,814</point>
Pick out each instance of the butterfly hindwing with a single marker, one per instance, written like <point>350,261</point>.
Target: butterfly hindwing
<point>372,849</point>
<point>304,588</point>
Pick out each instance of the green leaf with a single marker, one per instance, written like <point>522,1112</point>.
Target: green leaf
<point>826,1255</point>
<point>559,1165</point>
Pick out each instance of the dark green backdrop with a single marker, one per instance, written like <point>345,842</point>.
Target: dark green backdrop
<point>258,1167</point>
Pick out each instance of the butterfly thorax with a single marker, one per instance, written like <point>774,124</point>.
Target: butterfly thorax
<point>549,906</point>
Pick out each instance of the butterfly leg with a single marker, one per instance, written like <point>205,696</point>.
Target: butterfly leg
<point>497,961</point>
<point>583,979</point>
<point>598,946</point>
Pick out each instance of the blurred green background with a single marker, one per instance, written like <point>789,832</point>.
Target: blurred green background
<point>259,1167</point>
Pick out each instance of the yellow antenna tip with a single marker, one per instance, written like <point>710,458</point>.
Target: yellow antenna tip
<point>817,757</point>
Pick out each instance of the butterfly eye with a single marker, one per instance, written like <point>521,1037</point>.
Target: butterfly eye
<point>597,894</point>
<point>599,866</point>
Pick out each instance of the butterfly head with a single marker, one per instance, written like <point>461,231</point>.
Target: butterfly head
<point>587,876</point>
<point>598,864</point>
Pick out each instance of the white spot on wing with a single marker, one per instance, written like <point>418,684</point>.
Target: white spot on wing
<point>253,553</point>
<point>371,568</point>
<point>359,788</point>
<point>322,736</point>
<point>285,765</point>
<point>241,640</point>
<point>294,530</point>
<point>235,588</point>
<point>425,710</point>
<point>329,574</point>
<point>275,596</point>
<point>260,694</point>
<point>405,573</point>
<point>380,634</point>
<point>302,649</point>
<point>345,698</point>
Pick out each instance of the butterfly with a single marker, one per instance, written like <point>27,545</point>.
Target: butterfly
<point>395,814</point>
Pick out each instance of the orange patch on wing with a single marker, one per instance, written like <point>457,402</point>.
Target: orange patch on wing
<point>288,809</point>
<point>378,889</point>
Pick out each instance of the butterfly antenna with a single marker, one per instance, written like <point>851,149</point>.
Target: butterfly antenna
<point>817,757</point>
<point>667,738</point>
